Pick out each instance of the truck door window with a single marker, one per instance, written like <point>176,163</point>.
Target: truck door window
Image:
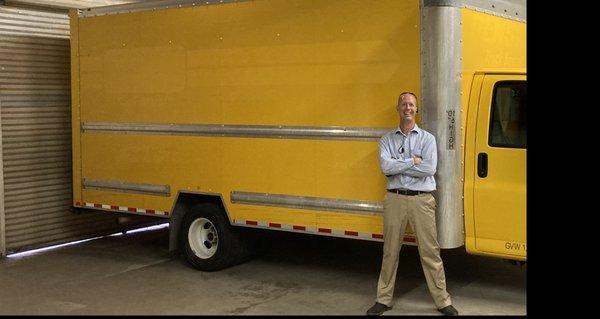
<point>508,127</point>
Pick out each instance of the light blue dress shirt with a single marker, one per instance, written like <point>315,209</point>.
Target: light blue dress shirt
<point>396,151</point>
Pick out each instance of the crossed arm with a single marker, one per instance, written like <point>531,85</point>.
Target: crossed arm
<point>416,166</point>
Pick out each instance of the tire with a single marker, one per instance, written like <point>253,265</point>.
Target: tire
<point>209,242</point>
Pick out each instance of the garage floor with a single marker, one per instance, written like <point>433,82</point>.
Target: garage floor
<point>135,274</point>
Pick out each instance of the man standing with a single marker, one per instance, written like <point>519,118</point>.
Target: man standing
<point>408,158</point>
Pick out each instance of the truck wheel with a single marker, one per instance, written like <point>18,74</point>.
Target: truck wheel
<point>209,243</point>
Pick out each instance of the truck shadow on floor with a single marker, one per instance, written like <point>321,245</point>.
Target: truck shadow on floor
<point>363,258</point>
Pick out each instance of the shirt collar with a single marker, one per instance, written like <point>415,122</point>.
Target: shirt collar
<point>415,129</point>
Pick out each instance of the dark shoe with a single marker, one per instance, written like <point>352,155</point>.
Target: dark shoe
<point>449,311</point>
<point>377,309</point>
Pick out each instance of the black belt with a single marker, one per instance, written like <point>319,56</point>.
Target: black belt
<point>406,192</point>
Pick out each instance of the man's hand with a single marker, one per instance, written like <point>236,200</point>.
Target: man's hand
<point>417,159</point>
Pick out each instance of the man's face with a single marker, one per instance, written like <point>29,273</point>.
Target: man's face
<point>407,107</point>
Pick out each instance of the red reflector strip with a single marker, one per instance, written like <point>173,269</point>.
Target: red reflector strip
<point>122,209</point>
<point>409,239</point>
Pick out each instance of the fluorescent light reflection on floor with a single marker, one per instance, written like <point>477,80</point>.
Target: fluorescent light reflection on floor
<point>137,230</point>
<point>39,250</point>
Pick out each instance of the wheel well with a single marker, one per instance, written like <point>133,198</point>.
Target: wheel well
<point>184,203</point>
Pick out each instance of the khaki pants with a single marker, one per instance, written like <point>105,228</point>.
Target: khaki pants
<point>420,211</point>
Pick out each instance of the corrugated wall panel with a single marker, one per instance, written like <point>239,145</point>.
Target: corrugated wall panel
<point>25,22</point>
<point>36,136</point>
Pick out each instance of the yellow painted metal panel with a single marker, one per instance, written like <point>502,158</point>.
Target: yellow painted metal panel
<point>297,62</point>
<point>321,168</point>
<point>491,45</point>
<point>268,62</point>
<point>500,198</point>
<point>471,162</point>
<point>497,203</point>
<point>75,109</point>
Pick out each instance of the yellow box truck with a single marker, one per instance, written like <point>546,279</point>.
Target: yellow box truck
<point>221,116</point>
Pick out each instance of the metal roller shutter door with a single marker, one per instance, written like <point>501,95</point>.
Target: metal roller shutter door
<point>36,135</point>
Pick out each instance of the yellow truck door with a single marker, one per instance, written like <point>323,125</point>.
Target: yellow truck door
<point>499,194</point>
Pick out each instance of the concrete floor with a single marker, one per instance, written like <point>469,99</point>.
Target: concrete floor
<point>135,274</point>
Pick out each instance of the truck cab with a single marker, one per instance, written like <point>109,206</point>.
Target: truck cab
<point>496,166</point>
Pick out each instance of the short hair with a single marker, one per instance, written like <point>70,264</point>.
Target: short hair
<point>411,93</point>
